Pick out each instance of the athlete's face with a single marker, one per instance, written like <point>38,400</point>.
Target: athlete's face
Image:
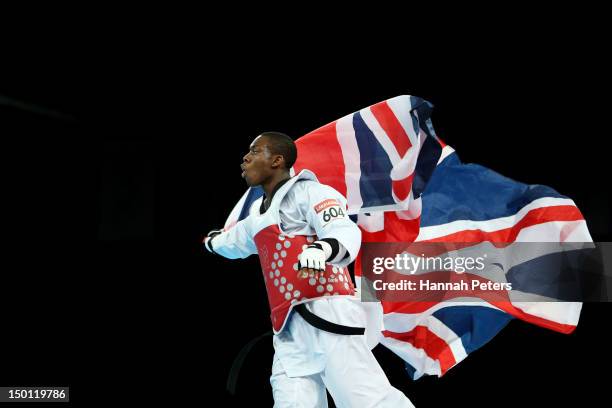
<point>257,165</point>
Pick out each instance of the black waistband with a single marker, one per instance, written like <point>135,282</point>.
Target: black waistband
<point>325,325</point>
<point>307,315</point>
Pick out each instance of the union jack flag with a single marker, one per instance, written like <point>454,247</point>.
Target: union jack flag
<point>404,184</point>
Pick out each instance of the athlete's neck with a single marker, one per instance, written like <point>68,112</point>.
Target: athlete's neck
<point>270,185</point>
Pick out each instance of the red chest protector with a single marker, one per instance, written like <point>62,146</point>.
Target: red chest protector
<point>278,254</point>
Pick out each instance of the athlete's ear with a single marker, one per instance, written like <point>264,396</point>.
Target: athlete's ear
<point>278,161</point>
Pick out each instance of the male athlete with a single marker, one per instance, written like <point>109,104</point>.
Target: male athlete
<point>305,240</point>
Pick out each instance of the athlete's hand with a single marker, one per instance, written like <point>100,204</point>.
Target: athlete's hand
<point>311,261</point>
<point>213,233</point>
<point>210,236</point>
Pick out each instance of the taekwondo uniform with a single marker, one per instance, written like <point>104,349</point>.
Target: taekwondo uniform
<point>308,359</point>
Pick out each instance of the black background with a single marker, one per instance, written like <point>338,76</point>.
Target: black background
<point>130,303</point>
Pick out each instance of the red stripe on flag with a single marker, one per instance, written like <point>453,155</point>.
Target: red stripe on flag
<point>407,307</point>
<point>402,188</point>
<point>395,230</point>
<point>441,142</point>
<point>533,217</point>
<point>388,121</point>
<point>540,321</point>
<point>435,347</point>
<point>420,307</point>
<point>320,152</point>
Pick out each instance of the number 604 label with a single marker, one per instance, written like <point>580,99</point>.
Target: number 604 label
<point>329,210</point>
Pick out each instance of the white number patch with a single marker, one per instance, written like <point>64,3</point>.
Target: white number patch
<point>329,210</point>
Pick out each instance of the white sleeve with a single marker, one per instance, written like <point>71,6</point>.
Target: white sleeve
<point>326,212</point>
<point>234,243</point>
